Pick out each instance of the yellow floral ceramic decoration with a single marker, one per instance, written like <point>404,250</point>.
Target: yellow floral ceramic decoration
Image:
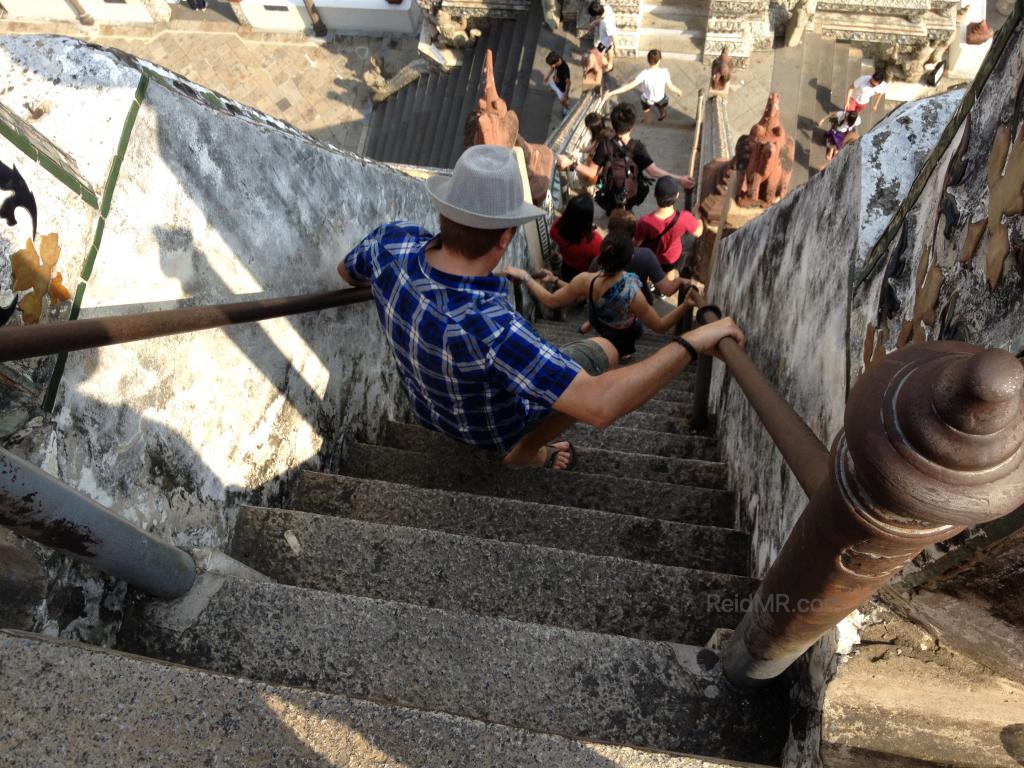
<point>33,270</point>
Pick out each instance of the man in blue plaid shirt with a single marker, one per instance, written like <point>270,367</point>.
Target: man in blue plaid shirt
<point>472,367</point>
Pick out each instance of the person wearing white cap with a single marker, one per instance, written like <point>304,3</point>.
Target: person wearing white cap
<point>472,367</point>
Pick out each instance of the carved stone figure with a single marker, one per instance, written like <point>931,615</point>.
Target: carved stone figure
<point>978,32</point>
<point>494,123</point>
<point>766,180</point>
<point>721,71</point>
<point>453,31</point>
<point>801,17</point>
<point>913,62</point>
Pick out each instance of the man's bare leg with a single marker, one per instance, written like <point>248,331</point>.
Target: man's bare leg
<point>532,450</point>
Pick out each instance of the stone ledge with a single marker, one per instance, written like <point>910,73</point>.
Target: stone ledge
<point>879,7</point>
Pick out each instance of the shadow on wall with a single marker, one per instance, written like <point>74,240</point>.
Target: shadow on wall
<point>251,339</point>
<point>282,224</point>
<point>1012,737</point>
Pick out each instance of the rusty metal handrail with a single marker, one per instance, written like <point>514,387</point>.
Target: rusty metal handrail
<point>697,131</point>
<point>805,454</point>
<point>19,342</point>
<point>933,443</point>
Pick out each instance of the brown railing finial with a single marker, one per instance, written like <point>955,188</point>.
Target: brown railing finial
<point>935,432</point>
<point>934,442</point>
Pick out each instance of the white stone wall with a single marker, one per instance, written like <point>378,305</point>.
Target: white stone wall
<point>213,203</point>
<point>294,19</point>
<point>128,12</point>
<point>40,10</point>
<point>370,16</point>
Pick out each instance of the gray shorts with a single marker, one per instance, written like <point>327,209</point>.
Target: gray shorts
<point>588,353</point>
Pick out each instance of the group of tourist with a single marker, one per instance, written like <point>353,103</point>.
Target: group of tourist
<point>476,370</point>
<point>843,123</point>
<point>472,367</point>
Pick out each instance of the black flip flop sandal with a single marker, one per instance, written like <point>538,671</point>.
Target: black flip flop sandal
<point>550,463</point>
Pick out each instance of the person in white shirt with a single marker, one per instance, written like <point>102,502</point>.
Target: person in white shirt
<point>652,81</point>
<point>863,88</point>
<point>606,30</point>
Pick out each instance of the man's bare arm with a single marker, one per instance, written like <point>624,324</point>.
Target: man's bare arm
<point>628,86</point>
<point>655,172</point>
<point>348,278</point>
<point>600,400</point>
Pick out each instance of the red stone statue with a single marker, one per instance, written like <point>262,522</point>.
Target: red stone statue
<point>721,70</point>
<point>978,32</point>
<point>494,123</point>
<point>766,180</point>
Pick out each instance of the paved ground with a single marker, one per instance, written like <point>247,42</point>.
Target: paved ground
<point>314,85</point>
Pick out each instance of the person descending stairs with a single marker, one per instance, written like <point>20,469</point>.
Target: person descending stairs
<point>432,605</point>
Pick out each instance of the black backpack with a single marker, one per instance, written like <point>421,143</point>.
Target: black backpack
<point>620,184</point>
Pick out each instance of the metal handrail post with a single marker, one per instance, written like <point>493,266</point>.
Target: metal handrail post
<point>933,443</point>
<point>805,454</point>
<point>698,128</point>
<point>702,394</point>
<point>40,507</point>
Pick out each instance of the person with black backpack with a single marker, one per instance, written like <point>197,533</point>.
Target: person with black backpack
<point>623,163</point>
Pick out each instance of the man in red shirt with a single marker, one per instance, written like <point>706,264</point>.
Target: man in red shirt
<point>662,230</point>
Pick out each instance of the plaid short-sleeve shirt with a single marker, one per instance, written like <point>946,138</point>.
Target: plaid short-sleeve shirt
<point>472,367</point>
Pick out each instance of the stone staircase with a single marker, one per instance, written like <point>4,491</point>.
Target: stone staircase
<point>423,123</point>
<point>427,607</point>
<point>813,79</point>
<point>675,27</point>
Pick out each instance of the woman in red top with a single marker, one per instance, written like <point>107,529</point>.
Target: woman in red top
<point>574,234</point>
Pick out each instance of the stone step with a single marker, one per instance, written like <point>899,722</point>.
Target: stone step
<point>654,422</point>
<point>644,498</point>
<point>704,474</point>
<point>564,333</point>
<point>669,407</point>
<point>658,19</point>
<point>671,41</point>
<point>94,708</point>
<point>689,6</point>
<point>868,28</point>
<point>671,56</point>
<point>575,684</point>
<point>808,109</point>
<point>681,10</point>
<point>625,439</point>
<point>821,77</point>
<point>522,582</point>
<point>645,347</point>
<point>487,517</point>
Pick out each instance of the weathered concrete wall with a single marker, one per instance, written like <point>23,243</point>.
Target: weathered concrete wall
<point>914,233</point>
<point>785,277</point>
<point>209,201</point>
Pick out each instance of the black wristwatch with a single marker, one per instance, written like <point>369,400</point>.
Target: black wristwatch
<point>687,346</point>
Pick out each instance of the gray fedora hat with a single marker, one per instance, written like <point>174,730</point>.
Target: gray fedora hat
<point>485,191</point>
